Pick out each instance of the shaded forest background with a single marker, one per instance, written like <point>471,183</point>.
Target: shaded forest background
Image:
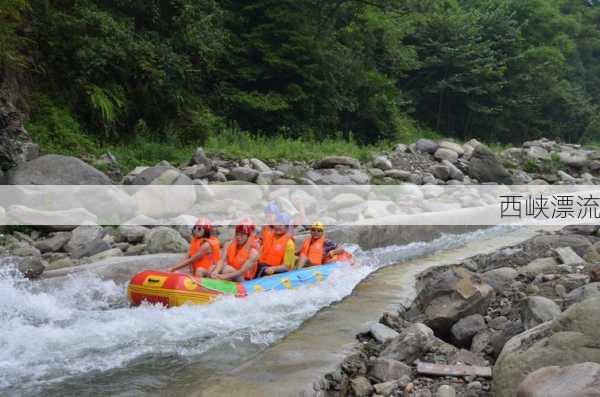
<point>375,70</point>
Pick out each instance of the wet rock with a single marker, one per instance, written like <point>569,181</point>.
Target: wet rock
<point>595,274</point>
<point>466,357</point>
<point>131,233</point>
<point>573,159</point>
<point>410,345</point>
<point>86,240</point>
<point>426,146</point>
<point>161,175</point>
<point>446,154</point>
<point>465,329</point>
<point>387,388</point>
<point>156,202</point>
<point>485,167</point>
<point>568,256</point>
<point>500,278</point>
<point>538,310</point>
<point>382,333</point>
<point>197,171</point>
<point>387,369</point>
<point>61,263</point>
<point>104,255</point>
<point>453,171</point>
<point>398,174</point>
<point>137,249</point>
<point>31,266</point>
<point>243,174</point>
<point>164,239</point>
<point>333,161</point>
<point>54,169</point>
<point>579,244</point>
<point>445,391</point>
<point>53,243</point>
<point>440,171</point>
<point>355,364</point>
<point>361,387</point>
<point>579,380</point>
<point>538,266</point>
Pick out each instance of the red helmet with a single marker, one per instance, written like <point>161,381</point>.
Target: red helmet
<point>204,224</point>
<point>245,227</point>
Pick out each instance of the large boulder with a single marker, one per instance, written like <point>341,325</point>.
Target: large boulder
<point>485,167</point>
<point>54,220</point>
<point>53,169</point>
<point>387,369</point>
<point>449,296</point>
<point>86,240</point>
<point>426,146</point>
<point>245,174</point>
<point>569,339</point>
<point>579,380</point>
<point>333,161</point>
<point>53,243</point>
<point>30,266</point>
<point>161,175</point>
<point>131,233</point>
<point>500,278</point>
<point>164,239</point>
<point>584,292</point>
<point>446,154</point>
<point>344,200</point>
<point>200,158</point>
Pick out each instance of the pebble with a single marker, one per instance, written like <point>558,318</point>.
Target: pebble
<point>560,290</point>
<point>445,391</point>
<point>533,290</point>
<point>476,385</point>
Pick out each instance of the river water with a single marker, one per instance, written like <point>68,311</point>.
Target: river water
<point>79,337</point>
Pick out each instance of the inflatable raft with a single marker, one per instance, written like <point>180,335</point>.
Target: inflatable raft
<point>175,289</point>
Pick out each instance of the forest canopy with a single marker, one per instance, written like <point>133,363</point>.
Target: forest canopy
<point>499,70</point>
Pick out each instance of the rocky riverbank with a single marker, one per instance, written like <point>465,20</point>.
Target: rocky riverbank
<point>521,321</point>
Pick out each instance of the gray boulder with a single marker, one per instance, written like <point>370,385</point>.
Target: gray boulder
<point>571,338</point>
<point>259,165</point>
<point>452,146</point>
<point>500,278</point>
<point>426,146</point>
<point>332,161</point>
<point>446,154</point>
<point>30,266</point>
<point>485,167</point>
<point>466,328</point>
<point>449,296</point>
<point>54,169</point>
<point>382,162</point>
<point>579,380</point>
<point>245,174</point>
<point>568,256</point>
<point>131,233</point>
<point>53,243</point>
<point>539,266</point>
<point>164,239</point>
<point>200,158</point>
<point>382,333</point>
<point>537,310</point>
<point>161,175</point>
<point>411,344</point>
<point>338,177</point>
<point>573,159</point>
<point>584,292</point>
<point>440,171</point>
<point>361,387</point>
<point>344,200</point>
<point>86,240</point>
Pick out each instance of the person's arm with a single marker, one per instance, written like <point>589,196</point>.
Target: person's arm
<point>187,260</point>
<point>218,268</point>
<point>243,269</point>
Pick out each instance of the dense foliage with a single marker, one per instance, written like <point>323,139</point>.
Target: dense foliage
<point>499,70</point>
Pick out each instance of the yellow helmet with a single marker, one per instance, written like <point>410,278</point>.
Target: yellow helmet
<point>317,225</point>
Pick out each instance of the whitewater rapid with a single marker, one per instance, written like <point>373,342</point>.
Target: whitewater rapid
<point>52,334</point>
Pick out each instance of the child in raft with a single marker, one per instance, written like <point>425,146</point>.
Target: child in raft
<point>204,251</point>
<point>277,252</point>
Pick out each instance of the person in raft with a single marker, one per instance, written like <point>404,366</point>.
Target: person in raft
<point>204,251</point>
<point>240,256</point>
<point>277,253</point>
<point>271,212</point>
<point>317,250</point>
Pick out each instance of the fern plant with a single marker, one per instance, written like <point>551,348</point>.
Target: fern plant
<point>107,103</point>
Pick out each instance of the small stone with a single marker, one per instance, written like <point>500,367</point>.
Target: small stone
<point>386,388</point>
<point>382,333</point>
<point>361,386</point>
<point>568,256</point>
<point>532,289</point>
<point>560,290</point>
<point>476,385</point>
<point>595,274</point>
<point>445,391</point>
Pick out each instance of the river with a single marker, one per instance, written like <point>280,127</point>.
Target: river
<point>79,337</point>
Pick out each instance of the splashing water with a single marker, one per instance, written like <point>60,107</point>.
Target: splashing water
<point>52,333</point>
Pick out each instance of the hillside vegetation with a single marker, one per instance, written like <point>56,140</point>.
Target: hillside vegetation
<point>129,72</point>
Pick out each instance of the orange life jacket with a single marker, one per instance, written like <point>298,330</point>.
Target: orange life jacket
<point>343,257</point>
<point>273,253</point>
<point>313,250</point>
<point>237,256</point>
<point>267,235</point>
<point>207,260</point>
